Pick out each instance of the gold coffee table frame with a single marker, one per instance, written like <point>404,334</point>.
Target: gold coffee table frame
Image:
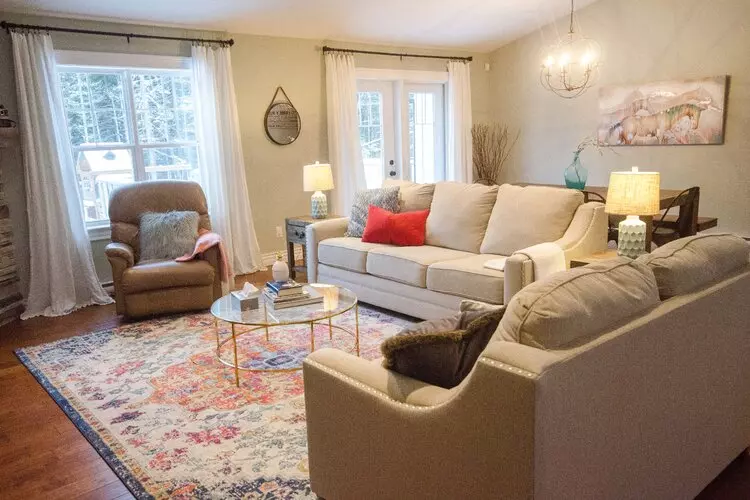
<point>259,320</point>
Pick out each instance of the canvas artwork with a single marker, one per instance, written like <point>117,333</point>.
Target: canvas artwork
<point>664,113</point>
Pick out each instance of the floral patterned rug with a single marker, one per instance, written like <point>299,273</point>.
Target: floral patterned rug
<point>165,414</point>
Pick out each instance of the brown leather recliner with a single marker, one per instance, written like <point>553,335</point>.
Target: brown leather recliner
<point>163,286</point>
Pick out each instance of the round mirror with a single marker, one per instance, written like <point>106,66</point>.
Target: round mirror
<point>282,123</point>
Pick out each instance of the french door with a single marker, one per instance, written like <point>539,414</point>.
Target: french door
<point>402,130</point>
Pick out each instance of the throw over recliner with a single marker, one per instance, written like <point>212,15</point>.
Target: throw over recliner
<point>145,288</point>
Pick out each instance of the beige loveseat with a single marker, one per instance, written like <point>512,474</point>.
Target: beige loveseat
<point>653,406</point>
<point>468,225</point>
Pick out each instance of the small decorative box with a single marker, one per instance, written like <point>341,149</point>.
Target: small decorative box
<point>245,299</point>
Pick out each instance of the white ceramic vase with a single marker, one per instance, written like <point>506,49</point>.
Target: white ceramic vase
<point>280,270</point>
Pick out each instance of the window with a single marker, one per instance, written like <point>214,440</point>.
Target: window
<point>401,125</point>
<point>125,125</point>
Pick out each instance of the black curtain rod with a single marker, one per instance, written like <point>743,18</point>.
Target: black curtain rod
<point>9,26</point>
<point>394,54</point>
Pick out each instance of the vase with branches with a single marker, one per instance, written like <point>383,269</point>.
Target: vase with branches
<point>491,145</point>
<point>576,174</point>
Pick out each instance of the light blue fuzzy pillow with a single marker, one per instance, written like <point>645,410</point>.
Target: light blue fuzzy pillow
<point>168,235</point>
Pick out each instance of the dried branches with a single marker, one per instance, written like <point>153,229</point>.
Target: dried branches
<point>491,147</point>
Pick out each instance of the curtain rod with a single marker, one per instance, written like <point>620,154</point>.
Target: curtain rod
<point>9,26</point>
<point>395,54</point>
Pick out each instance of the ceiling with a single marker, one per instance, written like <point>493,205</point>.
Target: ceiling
<point>477,25</point>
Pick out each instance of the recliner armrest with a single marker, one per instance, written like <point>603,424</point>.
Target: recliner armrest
<point>317,232</point>
<point>116,250</point>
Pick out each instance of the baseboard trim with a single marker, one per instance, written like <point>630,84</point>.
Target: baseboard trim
<point>270,257</point>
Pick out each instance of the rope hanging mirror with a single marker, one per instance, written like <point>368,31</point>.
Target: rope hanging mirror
<point>282,121</point>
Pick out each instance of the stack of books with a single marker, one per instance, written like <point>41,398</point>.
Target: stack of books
<point>284,294</point>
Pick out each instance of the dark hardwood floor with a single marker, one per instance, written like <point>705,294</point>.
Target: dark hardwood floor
<point>42,454</point>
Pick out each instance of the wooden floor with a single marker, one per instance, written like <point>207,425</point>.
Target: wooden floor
<point>42,454</point>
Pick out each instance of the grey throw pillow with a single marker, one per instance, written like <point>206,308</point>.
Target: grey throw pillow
<point>168,235</point>
<point>441,352</point>
<point>386,198</point>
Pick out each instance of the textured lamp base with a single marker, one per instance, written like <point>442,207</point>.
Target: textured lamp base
<point>319,205</point>
<point>631,240</point>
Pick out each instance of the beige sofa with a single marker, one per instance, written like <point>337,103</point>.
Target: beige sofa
<point>468,225</point>
<point>653,406</point>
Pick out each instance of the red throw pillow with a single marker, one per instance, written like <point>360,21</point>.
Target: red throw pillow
<point>404,229</point>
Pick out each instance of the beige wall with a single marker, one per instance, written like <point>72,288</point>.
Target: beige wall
<point>274,173</point>
<point>261,64</point>
<point>642,40</point>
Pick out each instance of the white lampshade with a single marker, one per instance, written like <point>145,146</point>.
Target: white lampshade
<point>317,177</point>
<point>633,193</point>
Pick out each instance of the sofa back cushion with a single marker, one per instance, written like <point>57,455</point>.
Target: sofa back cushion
<point>412,196</point>
<point>526,216</point>
<point>570,307</point>
<point>687,264</point>
<point>459,214</point>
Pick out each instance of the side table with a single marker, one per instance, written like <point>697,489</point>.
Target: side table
<point>295,235</point>
<point>594,257</point>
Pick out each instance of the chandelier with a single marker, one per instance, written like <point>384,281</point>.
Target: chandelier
<point>572,65</point>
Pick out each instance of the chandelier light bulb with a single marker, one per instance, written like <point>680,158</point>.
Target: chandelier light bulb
<point>577,61</point>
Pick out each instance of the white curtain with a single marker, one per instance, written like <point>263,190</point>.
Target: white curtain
<point>222,162</point>
<point>63,277</point>
<point>344,149</point>
<point>459,161</point>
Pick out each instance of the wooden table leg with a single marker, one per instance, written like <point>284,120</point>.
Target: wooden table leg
<point>290,259</point>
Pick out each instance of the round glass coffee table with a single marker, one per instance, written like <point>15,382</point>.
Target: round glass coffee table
<point>336,301</point>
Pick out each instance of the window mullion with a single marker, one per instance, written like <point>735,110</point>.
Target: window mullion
<point>140,169</point>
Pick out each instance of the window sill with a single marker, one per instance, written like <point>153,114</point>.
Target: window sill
<point>99,233</point>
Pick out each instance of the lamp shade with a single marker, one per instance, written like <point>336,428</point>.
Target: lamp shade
<point>633,193</point>
<point>317,177</point>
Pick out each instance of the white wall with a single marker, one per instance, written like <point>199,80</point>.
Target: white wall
<point>643,41</point>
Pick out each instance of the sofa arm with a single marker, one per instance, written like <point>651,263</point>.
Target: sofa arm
<point>587,233</point>
<point>365,443</point>
<point>314,234</point>
<point>519,272</point>
<point>372,376</point>
<point>121,257</point>
<point>211,255</point>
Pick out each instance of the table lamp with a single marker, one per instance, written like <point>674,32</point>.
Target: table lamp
<point>632,194</point>
<point>318,178</point>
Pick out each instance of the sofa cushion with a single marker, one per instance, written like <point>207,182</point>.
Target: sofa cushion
<point>687,264</point>
<point>467,277</point>
<point>526,216</point>
<point>345,253</point>
<point>412,196</point>
<point>408,264</point>
<point>159,274</point>
<point>384,198</point>
<point>459,214</point>
<point>568,308</point>
<point>441,352</point>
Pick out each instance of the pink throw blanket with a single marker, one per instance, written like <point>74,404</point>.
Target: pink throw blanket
<point>207,239</point>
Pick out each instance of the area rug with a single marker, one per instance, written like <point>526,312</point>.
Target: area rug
<point>165,414</point>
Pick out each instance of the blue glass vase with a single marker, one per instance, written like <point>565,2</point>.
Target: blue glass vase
<point>576,174</point>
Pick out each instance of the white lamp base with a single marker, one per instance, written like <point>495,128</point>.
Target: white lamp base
<point>631,239</point>
<point>318,205</point>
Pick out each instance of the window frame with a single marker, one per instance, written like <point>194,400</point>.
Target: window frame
<point>124,65</point>
<point>401,82</point>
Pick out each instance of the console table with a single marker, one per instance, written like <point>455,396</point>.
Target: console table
<point>295,235</point>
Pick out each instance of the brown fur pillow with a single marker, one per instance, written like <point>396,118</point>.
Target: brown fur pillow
<point>441,352</point>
